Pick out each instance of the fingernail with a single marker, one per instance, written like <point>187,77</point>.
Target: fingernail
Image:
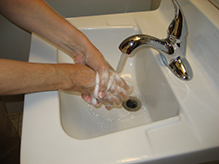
<point>107,107</point>
<point>100,95</point>
<point>86,98</point>
<point>95,103</point>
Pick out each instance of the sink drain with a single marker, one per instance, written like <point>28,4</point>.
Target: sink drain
<point>132,104</point>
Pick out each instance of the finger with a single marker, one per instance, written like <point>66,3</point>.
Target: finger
<point>122,83</point>
<point>111,100</point>
<point>108,107</point>
<point>119,88</point>
<point>95,102</point>
<point>127,86</point>
<point>121,93</point>
<point>86,98</point>
<point>103,82</point>
<point>91,100</point>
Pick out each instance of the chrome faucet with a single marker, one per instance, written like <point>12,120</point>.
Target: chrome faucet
<point>172,49</point>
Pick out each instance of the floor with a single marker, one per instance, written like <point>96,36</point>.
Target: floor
<point>16,119</point>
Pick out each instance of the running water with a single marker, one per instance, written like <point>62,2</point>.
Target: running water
<point>104,122</point>
<point>121,63</point>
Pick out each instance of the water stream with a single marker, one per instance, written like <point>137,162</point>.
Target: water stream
<point>121,63</point>
<point>106,122</point>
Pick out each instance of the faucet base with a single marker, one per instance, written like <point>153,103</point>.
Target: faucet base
<point>181,68</point>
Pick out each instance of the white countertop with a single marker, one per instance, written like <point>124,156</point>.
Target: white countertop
<point>192,132</point>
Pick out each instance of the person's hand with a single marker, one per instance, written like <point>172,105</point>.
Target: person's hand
<point>57,30</point>
<point>83,79</point>
<point>77,77</point>
<point>111,89</point>
<point>92,57</point>
<point>118,90</point>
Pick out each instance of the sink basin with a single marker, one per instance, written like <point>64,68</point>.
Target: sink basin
<point>83,121</point>
<point>178,121</point>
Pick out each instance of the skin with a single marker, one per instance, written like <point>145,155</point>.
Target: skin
<point>22,77</point>
<point>26,77</point>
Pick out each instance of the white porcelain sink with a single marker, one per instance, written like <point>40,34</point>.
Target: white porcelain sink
<point>179,120</point>
<point>83,121</point>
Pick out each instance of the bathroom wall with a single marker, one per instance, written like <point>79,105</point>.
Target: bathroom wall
<point>15,42</point>
<point>74,8</point>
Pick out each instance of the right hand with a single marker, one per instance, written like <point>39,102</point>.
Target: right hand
<point>83,79</point>
<point>118,90</point>
<point>91,56</point>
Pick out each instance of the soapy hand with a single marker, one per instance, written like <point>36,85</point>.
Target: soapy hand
<point>81,78</point>
<point>86,53</point>
<point>110,88</point>
<point>118,90</point>
<point>51,26</point>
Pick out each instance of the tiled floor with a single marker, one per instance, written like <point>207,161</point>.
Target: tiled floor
<point>16,119</point>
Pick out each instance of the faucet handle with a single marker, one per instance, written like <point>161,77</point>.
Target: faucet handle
<point>177,33</point>
<point>177,30</point>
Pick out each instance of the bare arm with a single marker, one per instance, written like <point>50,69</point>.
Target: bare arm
<point>22,77</point>
<point>36,16</point>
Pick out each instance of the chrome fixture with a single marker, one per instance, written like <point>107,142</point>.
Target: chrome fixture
<point>172,49</point>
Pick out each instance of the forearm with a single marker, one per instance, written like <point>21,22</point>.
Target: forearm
<point>22,77</point>
<point>36,16</point>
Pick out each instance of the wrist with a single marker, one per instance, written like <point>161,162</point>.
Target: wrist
<point>60,79</point>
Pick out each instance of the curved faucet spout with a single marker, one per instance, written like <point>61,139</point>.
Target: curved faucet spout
<point>133,42</point>
<point>172,49</point>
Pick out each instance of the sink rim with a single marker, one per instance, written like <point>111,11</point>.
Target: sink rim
<point>40,141</point>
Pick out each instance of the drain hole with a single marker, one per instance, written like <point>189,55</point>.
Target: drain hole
<point>132,104</point>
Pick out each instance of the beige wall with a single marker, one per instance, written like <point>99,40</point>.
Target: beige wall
<point>74,8</point>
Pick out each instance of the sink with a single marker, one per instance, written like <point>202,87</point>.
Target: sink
<point>178,121</point>
<point>83,121</point>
